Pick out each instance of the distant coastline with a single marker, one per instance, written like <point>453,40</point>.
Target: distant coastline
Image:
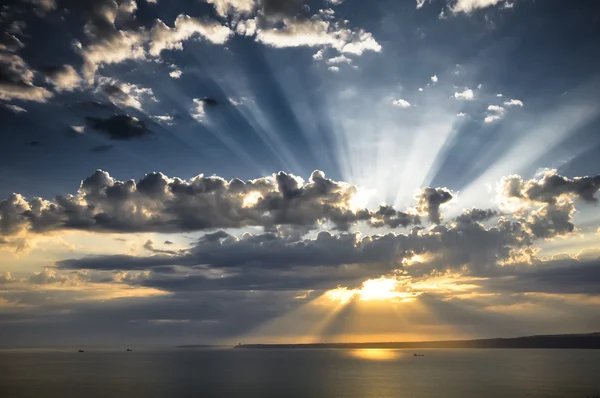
<point>564,341</point>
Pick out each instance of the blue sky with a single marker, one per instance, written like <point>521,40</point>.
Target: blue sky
<point>456,143</point>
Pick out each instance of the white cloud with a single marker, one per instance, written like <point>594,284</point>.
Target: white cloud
<point>122,46</point>
<point>434,79</point>
<point>130,45</point>
<point>461,114</point>
<point>492,118</point>
<point>166,119</point>
<point>468,6</point>
<point>466,95</point>
<point>513,102</point>
<point>224,7</point>
<point>176,74</point>
<point>236,101</point>
<point>318,55</point>
<point>334,69</point>
<point>246,27</point>
<point>124,94</point>
<point>420,88</point>
<point>165,38</point>
<point>341,59</point>
<point>401,103</point>
<point>499,95</point>
<point>198,111</point>
<point>496,108</point>
<point>495,113</point>
<point>78,129</point>
<point>318,32</point>
<point>420,3</point>
<point>335,2</point>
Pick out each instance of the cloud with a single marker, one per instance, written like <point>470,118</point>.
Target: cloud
<point>14,108</point>
<point>476,215</point>
<point>185,27</point>
<point>120,47</point>
<point>64,78</point>
<point>16,78</point>
<point>550,187</point>
<point>434,79</point>
<point>495,113</point>
<point>225,7</point>
<point>198,110</point>
<point>401,103</point>
<point>341,59</point>
<point>162,204</point>
<point>429,201</point>
<point>176,74</point>
<point>47,5</point>
<point>514,102</point>
<point>466,95</point>
<point>318,31</point>
<point>119,127</point>
<point>124,94</point>
<point>10,43</point>
<point>552,220</point>
<point>123,45</point>
<point>468,6</point>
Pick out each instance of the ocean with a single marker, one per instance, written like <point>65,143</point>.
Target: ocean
<point>327,373</point>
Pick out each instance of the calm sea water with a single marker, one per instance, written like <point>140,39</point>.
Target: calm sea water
<point>299,373</point>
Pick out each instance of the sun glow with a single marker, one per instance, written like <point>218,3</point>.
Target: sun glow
<point>380,289</point>
<point>251,199</point>
<point>375,354</point>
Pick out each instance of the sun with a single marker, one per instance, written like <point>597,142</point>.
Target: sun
<point>378,289</point>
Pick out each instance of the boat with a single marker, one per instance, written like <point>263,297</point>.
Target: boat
<point>81,350</point>
<point>129,349</point>
<point>418,355</point>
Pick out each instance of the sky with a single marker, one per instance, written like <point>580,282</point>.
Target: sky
<point>224,171</point>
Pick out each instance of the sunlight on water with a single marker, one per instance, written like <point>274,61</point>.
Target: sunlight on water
<point>375,354</point>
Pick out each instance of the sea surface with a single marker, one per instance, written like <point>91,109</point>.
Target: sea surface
<point>330,373</point>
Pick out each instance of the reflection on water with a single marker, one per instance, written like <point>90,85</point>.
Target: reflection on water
<point>277,373</point>
<point>375,354</point>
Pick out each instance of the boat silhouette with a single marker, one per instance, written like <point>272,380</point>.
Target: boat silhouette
<point>129,349</point>
<point>81,350</point>
<point>418,355</point>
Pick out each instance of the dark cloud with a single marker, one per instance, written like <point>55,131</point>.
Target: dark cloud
<point>550,187</point>
<point>430,200</point>
<point>119,127</point>
<point>332,258</point>
<point>565,276</point>
<point>162,204</point>
<point>149,245</point>
<point>210,101</point>
<point>476,215</point>
<point>552,220</point>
